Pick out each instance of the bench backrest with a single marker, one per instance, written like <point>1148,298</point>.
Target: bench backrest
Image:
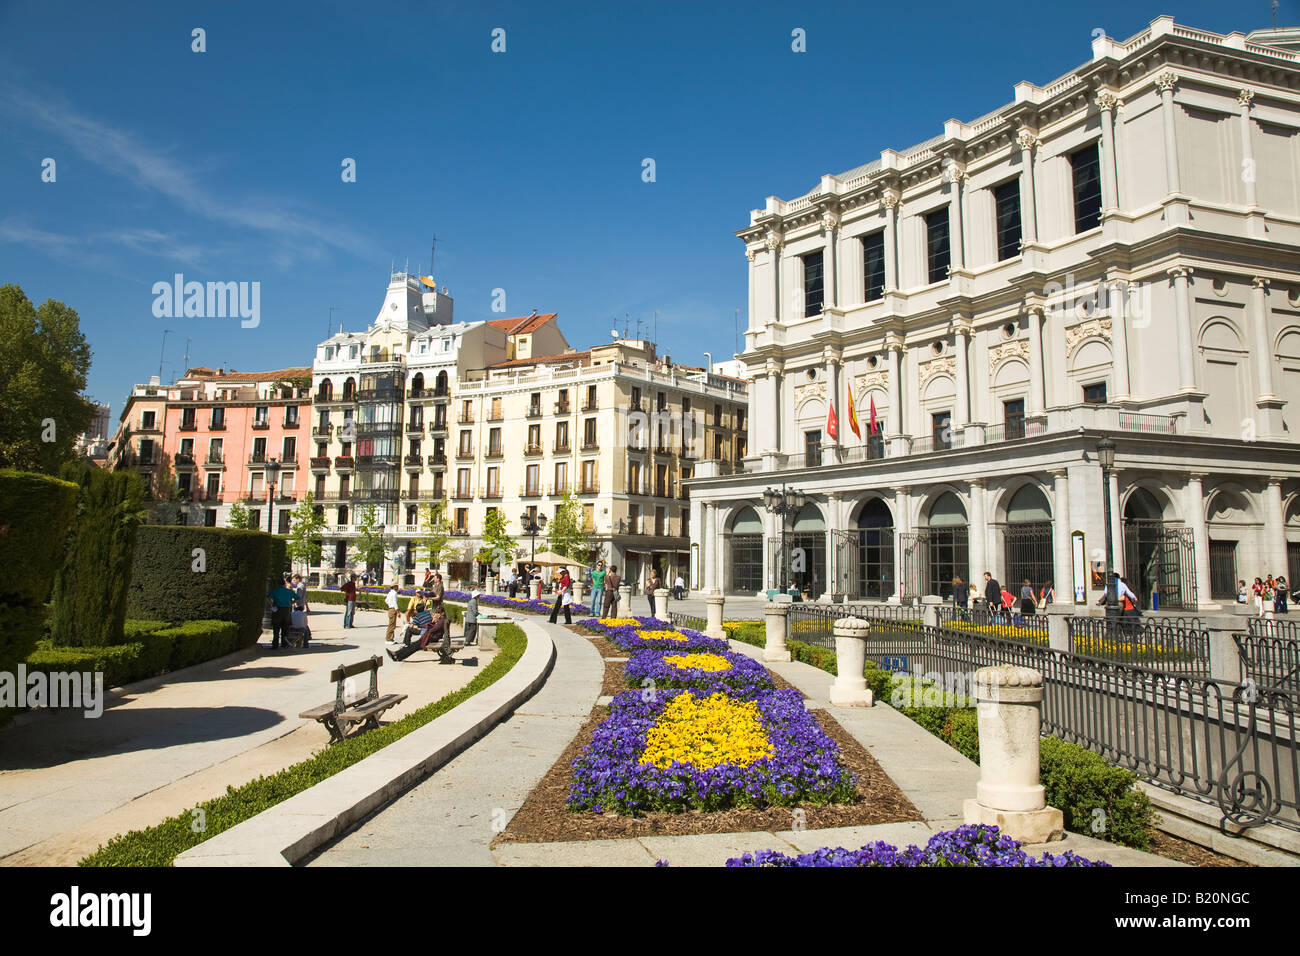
<point>340,676</point>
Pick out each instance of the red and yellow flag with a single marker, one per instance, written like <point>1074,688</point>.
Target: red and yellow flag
<point>853,411</point>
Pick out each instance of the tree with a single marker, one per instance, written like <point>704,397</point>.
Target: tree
<point>43,369</point>
<point>306,525</point>
<point>498,546</point>
<point>163,485</point>
<point>369,548</point>
<point>241,518</point>
<point>435,530</point>
<point>569,534</point>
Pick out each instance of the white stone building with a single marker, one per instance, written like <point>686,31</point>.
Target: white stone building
<point>1112,254</point>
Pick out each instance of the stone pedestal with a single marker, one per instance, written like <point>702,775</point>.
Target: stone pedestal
<point>661,604</point>
<point>930,610</point>
<point>713,621</point>
<point>775,651</point>
<point>1009,795</point>
<point>625,600</point>
<point>487,635</point>
<point>850,687</point>
<point>1058,626</point>
<point>535,590</point>
<point>491,585</point>
<point>577,593</point>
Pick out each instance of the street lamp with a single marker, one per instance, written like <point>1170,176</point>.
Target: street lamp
<point>272,473</point>
<point>785,502</point>
<point>1106,458</point>
<point>532,526</point>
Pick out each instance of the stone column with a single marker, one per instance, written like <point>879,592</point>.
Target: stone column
<point>1119,335</point>
<point>1263,347</point>
<point>902,507</point>
<point>774,367</point>
<point>713,620</point>
<point>956,174</point>
<point>1250,174</point>
<point>711,545</point>
<point>1275,528</point>
<point>661,604</point>
<point>775,615</point>
<point>1027,139</point>
<point>930,604</point>
<point>577,592</point>
<point>1181,277</point>
<point>536,590</point>
<point>1165,82</point>
<point>750,254</point>
<point>774,243</point>
<point>1106,104</point>
<point>1194,508</point>
<point>1062,547</point>
<point>1116,525</point>
<point>1009,702</point>
<point>832,569</point>
<point>1037,401</point>
<point>891,199</point>
<point>961,414</point>
<point>833,359</point>
<point>850,687</point>
<point>979,533</point>
<point>831,226</point>
<point>491,585</point>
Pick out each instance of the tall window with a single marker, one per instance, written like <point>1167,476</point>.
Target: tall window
<point>494,442</point>
<point>634,478</point>
<point>873,265</point>
<point>1095,394</point>
<point>290,451</point>
<point>494,482</point>
<point>937,252</point>
<point>941,426</point>
<point>561,436</point>
<point>589,433</point>
<point>812,284</point>
<point>218,418</point>
<point>812,445</point>
<point>1006,201</point>
<point>1086,167</point>
<point>588,476</point>
<point>561,478</point>
<point>214,449</point>
<point>147,420</point>
<point>1013,418</point>
<point>259,449</point>
<point>462,482</point>
<point>531,479</point>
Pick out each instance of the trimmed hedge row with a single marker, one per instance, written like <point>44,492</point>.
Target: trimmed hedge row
<point>90,587</point>
<point>156,650</point>
<point>455,612</point>
<point>159,845</point>
<point>35,513</point>
<point>167,583</point>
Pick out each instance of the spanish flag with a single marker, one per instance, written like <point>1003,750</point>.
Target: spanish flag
<point>853,411</point>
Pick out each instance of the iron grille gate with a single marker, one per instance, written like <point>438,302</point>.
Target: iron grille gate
<point>1028,555</point>
<point>916,559</point>
<point>1161,558</point>
<point>847,568</point>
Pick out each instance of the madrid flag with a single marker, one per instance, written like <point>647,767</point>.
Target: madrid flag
<point>832,423</point>
<point>875,426</point>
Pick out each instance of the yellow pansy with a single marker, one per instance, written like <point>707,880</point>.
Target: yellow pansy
<point>704,662</point>
<point>706,733</point>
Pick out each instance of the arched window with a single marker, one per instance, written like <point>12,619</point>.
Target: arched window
<point>1158,555</point>
<point>942,552</point>
<point>872,572</point>
<point>804,560</point>
<point>1027,541</point>
<point>745,548</point>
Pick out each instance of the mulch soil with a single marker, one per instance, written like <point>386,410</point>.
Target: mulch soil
<point>1185,851</point>
<point>544,818</point>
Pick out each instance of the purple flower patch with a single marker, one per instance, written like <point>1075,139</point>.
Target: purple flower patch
<point>745,678</point>
<point>970,845</point>
<point>629,637</point>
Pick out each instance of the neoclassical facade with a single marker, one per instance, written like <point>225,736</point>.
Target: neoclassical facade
<point>1112,255</point>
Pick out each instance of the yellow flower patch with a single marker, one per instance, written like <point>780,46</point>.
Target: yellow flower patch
<point>706,733</point>
<point>704,662</point>
<point>620,621</point>
<point>662,635</point>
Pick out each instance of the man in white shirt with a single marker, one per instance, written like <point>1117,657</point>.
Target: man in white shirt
<point>390,602</point>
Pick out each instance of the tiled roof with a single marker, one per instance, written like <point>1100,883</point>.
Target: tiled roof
<point>522,324</point>
<point>275,375</point>
<point>546,359</point>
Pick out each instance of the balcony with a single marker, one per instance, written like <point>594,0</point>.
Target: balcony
<point>348,398</point>
<point>260,424</point>
<point>437,462</point>
<point>437,493</point>
<point>465,454</point>
<point>590,405</point>
<point>533,411</point>
<point>561,448</point>
<point>438,429</point>
<point>382,495</point>
<point>344,462</point>
<point>629,526</point>
<point>465,418</point>
<point>257,461</point>
<point>463,494</point>
<point>428,393</point>
<point>290,423</point>
<point>635,488</point>
<point>188,426</point>
<point>496,416</point>
<point>493,492</point>
<point>320,464</point>
<point>530,491</point>
<point>323,431</point>
<point>217,426</point>
<point>214,461</point>
<point>532,449</point>
<point>378,461</point>
<point>494,452</point>
<point>379,394</point>
<point>591,445</point>
<point>589,489</point>
<point>376,429</point>
<point>562,408</point>
<point>559,490</point>
<point>460,532</point>
<point>413,462</point>
<point>415,428</point>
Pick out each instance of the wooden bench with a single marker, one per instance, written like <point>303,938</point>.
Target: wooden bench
<point>340,715</point>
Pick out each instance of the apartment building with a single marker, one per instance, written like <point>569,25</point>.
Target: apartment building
<point>1110,255</point>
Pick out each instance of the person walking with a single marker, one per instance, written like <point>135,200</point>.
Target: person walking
<point>1257,592</point>
<point>390,602</point>
<point>653,583</point>
<point>679,587</point>
<point>1279,595</point>
<point>1028,603</point>
<point>471,619</point>
<point>960,596</point>
<point>612,582</point>
<point>512,585</point>
<point>280,598</point>
<point>349,590</point>
<point>563,597</point>
<point>992,594</point>
<point>598,576</point>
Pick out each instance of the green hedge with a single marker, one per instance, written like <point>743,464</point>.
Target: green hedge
<point>90,587</point>
<point>155,650</point>
<point>455,612</point>
<point>35,514</point>
<point>159,845</point>
<point>233,587</point>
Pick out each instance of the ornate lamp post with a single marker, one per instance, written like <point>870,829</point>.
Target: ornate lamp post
<point>1106,458</point>
<point>272,473</point>
<point>532,526</point>
<point>785,502</point>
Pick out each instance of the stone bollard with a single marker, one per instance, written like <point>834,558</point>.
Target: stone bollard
<point>1009,794</point>
<point>487,635</point>
<point>713,622</point>
<point>577,593</point>
<point>850,687</point>
<point>661,603</point>
<point>491,586</point>
<point>775,651</point>
<point>536,590</point>
<point>625,600</point>
<point>1058,626</point>
<point>930,610</point>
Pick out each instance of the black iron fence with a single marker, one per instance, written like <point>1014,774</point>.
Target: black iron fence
<point>1006,624</point>
<point>815,623</point>
<point>1270,657</point>
<point>687,620</point>
<point>1170,645</point>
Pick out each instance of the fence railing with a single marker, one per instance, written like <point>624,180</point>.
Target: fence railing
<point>1175,645</point>
<point>1271,663</point>
<point>1006,624</point>
<point>688,620</point>
<point>814,623</point>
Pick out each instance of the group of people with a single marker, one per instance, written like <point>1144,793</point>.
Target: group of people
<point>288,604</point>
<point>1001,604</point>
<point>1267,594</point>
<point>427,624</point>
<point>604,593</point>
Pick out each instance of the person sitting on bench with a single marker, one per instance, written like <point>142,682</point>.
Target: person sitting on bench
<point>439,627</point>
<point>420,620</point>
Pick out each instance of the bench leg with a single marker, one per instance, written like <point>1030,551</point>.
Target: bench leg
<point>336,732</point>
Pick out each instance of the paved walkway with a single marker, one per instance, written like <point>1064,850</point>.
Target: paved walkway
<point>68,784</point>
<point>451,818</point>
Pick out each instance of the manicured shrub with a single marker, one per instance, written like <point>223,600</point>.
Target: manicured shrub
<point>197,641</point>
<point>159,845</point>
<point>1080,782</point>
<point>157,650</point>
<point>121,663</point>
<point>166,584</point>
<point>132,629</point>
<point>90,587</point>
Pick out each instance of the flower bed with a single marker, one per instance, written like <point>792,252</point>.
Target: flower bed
<point>674,750</point>
<point>650,634</point>
<point>965,846</point>
<point>528,605</point>
<point>707,671</point>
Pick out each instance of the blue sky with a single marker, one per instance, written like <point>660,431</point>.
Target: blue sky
<point>225,165</point>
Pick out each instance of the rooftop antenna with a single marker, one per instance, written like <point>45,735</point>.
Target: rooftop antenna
<point>1275,14</point>
<point>638,327</point>
<point>333,309</point>
<point>735,326</point>
<point>166,332</point>
<point>654,336</point>
<point>187,355</point>
<point>433,250</point>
